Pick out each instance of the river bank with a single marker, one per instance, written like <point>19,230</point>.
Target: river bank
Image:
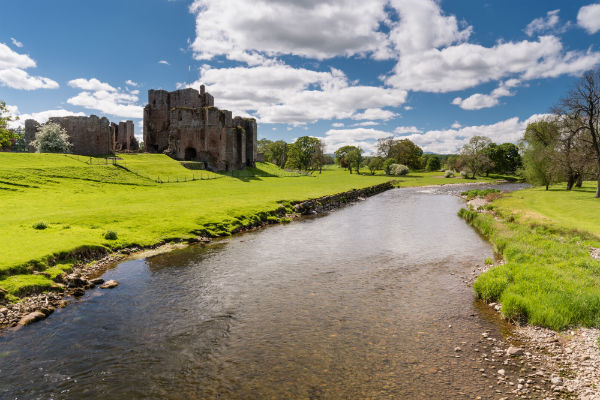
<point>85,275</point>
<point>569,354</point>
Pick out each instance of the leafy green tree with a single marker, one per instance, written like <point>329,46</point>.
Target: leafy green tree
<point>354,158</point>
<point>474,156</point>
<point>341,156</point>
<point>407,153</point>
<point>375,164</point>
<point>301,154</point>
<point>539,152</point>
<point>6,135</point>
<point>52,138</point>
<point>433,163</point>
<point>276,153</point>
<point>505,158</point>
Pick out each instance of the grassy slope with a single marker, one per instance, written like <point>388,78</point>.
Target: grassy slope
<point>549,278</point>
<point>80,202</point>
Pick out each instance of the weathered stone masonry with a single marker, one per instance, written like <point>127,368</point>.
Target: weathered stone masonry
<point>90,136</point>
<point>186,125</point>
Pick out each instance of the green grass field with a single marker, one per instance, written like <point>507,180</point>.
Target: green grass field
<point>80,202</point>
<point>549,278</point>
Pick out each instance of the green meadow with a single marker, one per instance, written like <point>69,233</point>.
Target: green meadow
<point>53,205</point>
<point>549,278</point>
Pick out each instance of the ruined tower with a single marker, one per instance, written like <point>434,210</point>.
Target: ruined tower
<point>186,125</point>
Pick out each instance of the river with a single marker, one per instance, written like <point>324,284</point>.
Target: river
<point>369,301</point>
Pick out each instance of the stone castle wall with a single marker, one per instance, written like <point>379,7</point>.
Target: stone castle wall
<point>186,125</point>
<point>90,136</point>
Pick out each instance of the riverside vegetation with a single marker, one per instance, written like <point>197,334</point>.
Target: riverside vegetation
<point>57,206</point>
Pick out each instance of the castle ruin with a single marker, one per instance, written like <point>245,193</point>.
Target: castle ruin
<point>186,125</point>
<point>90,136</point>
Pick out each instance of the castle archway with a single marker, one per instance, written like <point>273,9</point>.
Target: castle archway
<point>190,154</point>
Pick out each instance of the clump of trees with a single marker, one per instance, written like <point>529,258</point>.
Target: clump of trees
<point>7,136</point>
<point>566,146</point>
<point>52,138</point>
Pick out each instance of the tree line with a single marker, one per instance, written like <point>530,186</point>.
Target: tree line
<point>565,146</point>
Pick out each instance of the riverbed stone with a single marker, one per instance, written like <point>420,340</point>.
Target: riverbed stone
<point>31,318</point>
<point>97,281</point>
<point>514,351</point>
<point>110,284</point>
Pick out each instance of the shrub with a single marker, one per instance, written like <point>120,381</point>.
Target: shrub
<point>489,261</point>
<point>449,174</point>
<point>398,170</point>
<point>52,138</point>
<point>40,226</point>
<point>387,165</point>
<point>111,235</point>
<point>465,173</point>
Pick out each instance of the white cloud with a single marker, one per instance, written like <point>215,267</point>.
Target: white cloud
<point>374,113</point>
<point>408,108</point>
<point>16,42</point>
<point>478,101</point>
<point>105,98</point>
<point>164,62</point>
<point>278,93</point>
<point>13,74</point>
<point>588,18</point>
<point>466,65</point>
<point>399,130</point>
<point>338,124</point>
<point>129,82</point>
<point>456,125</point>
<point>543,24</point>
<point>40,117</point>
<point>437,141</point>
<point>252,31</point>
<point>450,140</point>
<point>365,123</point>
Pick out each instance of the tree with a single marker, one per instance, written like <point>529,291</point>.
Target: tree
<point>276,152</point>
<point>433,163</point>
<point>582,107</point>
<point>262,145</point>
<point>375,163</point>
<point>341,156</point>
<point>301,153</point>
<point>6,135</point>
<point>384,145</point>
<point>473,155</point>
<point>407,153</point>
<point>354,158</point>
<point>387,164</point>
<point>318,157</point>
<point>52,138</point>
<point>539,152</point>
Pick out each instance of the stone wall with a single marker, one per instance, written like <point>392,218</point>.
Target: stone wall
<point>90,136</point>
<point>186,125</point>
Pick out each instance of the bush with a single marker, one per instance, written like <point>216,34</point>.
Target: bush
<point>387,164</point>
<point>40,226</point>
<point>433,163</point>
<point>465,173</point>
<point>449,174</point>
<point>52,138</point>
<point>398,170</point>
<point>111,235</point>
<point>489,261</point>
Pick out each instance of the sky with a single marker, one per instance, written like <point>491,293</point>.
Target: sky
<point>347,71</point>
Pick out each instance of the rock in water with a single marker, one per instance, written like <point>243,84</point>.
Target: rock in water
<point>31,318</point>
<point>97,281</point>
<point>109,284</point>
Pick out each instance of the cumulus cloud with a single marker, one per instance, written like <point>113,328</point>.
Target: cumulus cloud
<point>16,42</point>
<point>41,116</point>
<point>450,140</point>
<point>13,74</point>
<point>478,101</point>
<point>374,114</point>
<point>588,18</point>
<point>251,31</point>
<point>129,82</point>
<point>544,24</point>
<point>444,141</point>
<point>105,98</point>
<point>279,93</point>
<point>337,124</point>
<point>165,62</point>
<point>466,65</point>
<point>365,123</point>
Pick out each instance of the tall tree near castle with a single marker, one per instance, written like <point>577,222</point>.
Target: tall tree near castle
<point>5,134</point>
<point>582,107</point>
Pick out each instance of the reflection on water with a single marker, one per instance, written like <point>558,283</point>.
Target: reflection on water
<point>356,304</point>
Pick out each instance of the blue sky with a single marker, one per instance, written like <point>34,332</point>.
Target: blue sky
<point>348,71</point>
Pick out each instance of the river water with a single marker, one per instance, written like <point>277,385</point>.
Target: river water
<point>366,302</point>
